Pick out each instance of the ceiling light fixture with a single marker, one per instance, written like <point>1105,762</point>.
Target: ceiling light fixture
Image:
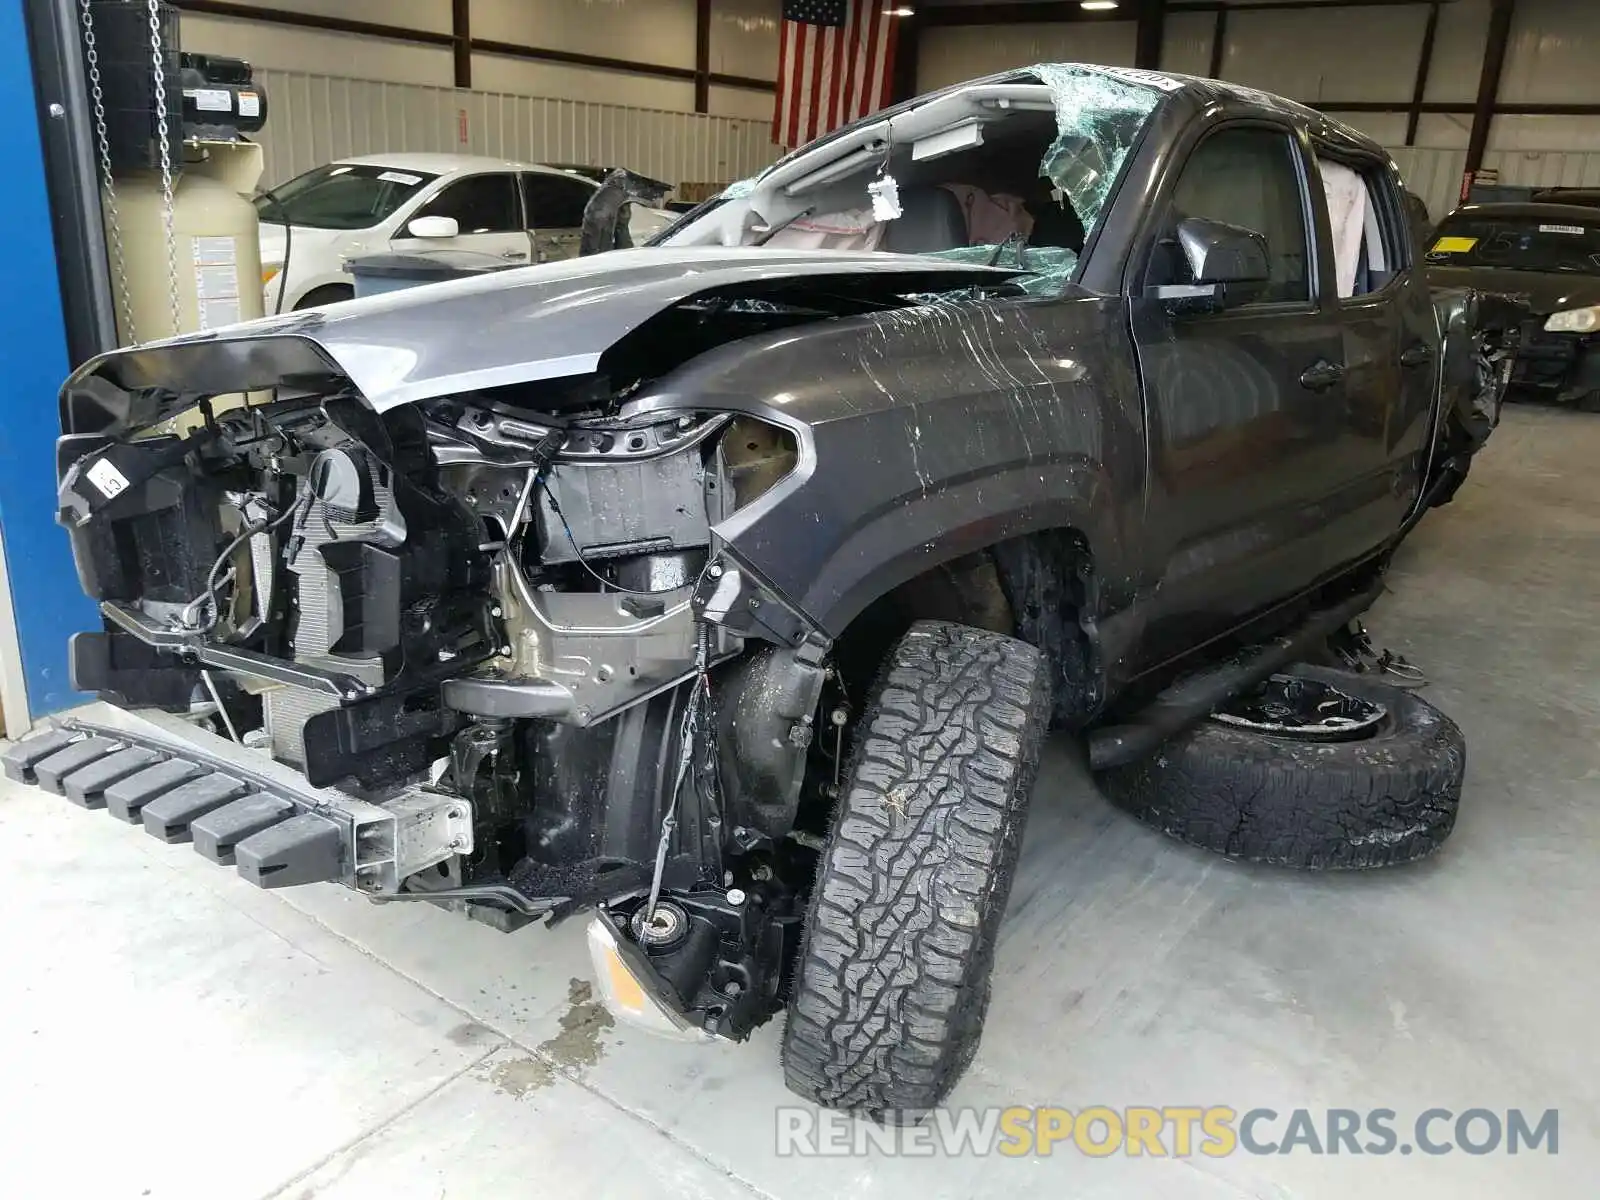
<point>1097,5</point>
<point>902,12</point>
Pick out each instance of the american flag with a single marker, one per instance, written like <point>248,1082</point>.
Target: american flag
<point>835,62</point>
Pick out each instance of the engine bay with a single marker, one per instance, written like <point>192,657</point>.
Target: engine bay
<point>460,595</point>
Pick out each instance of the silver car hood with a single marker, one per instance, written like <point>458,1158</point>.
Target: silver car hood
<point>514,326</point>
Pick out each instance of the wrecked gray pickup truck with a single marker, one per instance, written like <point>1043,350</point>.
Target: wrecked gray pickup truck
<point>726,588</point>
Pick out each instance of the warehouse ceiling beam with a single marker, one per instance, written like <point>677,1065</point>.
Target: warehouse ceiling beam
<point>1501,110</point>
<point>600,63</point>
<point>1148,35</point>
<point>306,20</point>
<point>1219,43</point>
<point>702,56</point>
<point>1015,14</point>
<point>907,50</point>
<point>1069,11</point>
<point>432,37</point>
<point>1494,61</point>
<point>461,40</point>
<point>1419,90</point>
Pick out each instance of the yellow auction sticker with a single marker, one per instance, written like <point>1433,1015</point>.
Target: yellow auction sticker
<point>1454,245</point>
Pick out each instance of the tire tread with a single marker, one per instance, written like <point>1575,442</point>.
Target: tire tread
<point>893,980</point>
<point>1333,806</point>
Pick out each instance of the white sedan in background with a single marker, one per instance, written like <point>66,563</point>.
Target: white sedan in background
<point>416,204</point>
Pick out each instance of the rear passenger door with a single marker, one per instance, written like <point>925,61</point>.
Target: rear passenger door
<point>1244,403</point>
<point>487,210</point>
<point>1390,353</point>
<point>554,205</point>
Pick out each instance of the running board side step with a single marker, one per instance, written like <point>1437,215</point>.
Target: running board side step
<point>1196,696</point>
<point>236,806</point>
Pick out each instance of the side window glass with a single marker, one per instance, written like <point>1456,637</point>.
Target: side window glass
<point>1370,244</point>
<point>555,201</point>
<point>479,204</point>
<point>1245,177</point>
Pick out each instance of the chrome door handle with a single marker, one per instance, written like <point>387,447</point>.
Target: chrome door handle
<point>513,254</point>
<point>1416,356</point>
<point>1321,375</point>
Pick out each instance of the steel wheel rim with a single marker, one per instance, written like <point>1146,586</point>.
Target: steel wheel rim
<point>1308,710</point>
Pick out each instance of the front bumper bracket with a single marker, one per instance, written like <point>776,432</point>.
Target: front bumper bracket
<point>238,807</point>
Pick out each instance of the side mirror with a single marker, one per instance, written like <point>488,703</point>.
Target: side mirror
<point>1219,253</point>
<point>433,227</point>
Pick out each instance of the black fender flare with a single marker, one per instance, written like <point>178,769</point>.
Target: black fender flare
<point>1470,400</point>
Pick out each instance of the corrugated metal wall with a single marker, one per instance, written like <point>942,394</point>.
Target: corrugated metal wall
<point>1435,175</point>
<point>1365,53</point>
<point>948,55</point>
<point>316,118</point>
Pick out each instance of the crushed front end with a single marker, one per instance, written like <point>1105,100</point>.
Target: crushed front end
<point>460,651</point>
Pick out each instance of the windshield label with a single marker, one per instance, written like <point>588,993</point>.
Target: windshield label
<point>400,177</point>
<point>1454,245</point>
<point>1135,75</point>
<point>1575,230</point>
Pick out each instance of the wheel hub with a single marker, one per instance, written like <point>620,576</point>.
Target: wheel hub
<point>1308,709</point>
<point>662,929</point>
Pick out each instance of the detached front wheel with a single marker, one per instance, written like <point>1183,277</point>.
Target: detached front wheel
<point>1319,768</point>
<point>892,984</point>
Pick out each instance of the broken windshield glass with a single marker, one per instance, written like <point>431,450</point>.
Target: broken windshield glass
<point>1024,162</point>
<point>1099,113</point>
<point>1045,268</point>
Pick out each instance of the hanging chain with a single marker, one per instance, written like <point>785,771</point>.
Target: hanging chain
<point>158,68</point>
<point>108,185</point>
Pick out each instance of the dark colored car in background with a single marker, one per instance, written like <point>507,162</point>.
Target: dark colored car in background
<point>1548,257</point>
<point>1585,197</point>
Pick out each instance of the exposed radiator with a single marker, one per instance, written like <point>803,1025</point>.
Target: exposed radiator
<point>286,711</point>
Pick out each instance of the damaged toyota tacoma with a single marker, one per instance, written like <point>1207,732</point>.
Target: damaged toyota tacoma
<point>724,590</point>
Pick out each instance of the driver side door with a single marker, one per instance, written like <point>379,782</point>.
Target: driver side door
<point>487,210</point>
<point>1243,399</point>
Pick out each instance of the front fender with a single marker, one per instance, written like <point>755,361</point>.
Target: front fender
<point>925,434</point>
<point>1478,334</point>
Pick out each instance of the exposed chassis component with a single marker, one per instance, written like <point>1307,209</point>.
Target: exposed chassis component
<point>188,785</point>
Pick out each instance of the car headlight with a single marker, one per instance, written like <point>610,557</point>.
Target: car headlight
<point>1574,320</point>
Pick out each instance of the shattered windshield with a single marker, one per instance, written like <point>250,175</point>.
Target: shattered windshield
<point>1013,171</point>
<point>1099,114</point>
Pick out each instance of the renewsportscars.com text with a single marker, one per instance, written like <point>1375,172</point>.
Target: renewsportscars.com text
<point>1171,1132</point>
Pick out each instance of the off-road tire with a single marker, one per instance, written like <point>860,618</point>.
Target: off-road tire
<point>1374,802</point>
<point>892,983</point>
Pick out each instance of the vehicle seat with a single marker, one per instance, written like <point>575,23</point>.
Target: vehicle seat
<point>930,219</point>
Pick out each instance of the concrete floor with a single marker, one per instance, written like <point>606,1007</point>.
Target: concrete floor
<point>167,1031</point>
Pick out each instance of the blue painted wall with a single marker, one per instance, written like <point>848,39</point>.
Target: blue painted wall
<point>33,361</point>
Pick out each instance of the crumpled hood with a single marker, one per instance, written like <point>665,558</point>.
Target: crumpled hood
<point>514,326</point>
<point>1543,292</point>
